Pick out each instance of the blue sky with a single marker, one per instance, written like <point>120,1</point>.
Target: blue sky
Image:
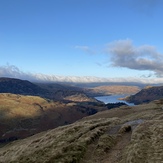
<point>111,39</point>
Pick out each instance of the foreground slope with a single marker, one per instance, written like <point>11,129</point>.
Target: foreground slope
<point>121,135</point>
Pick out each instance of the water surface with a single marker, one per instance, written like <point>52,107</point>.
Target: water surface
<point>113,99</point>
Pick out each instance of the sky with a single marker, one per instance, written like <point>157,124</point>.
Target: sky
<point>82,40</point>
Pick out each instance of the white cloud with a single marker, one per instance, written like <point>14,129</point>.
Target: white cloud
<point>125,54</point>
<point>86,49</point>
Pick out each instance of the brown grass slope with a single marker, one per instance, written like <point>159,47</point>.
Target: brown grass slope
<point>22,116</point>
<point>121,135</point>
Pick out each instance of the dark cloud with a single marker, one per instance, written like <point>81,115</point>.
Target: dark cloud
<point>125,54</point>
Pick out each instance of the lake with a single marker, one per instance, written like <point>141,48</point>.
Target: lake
<point>113,99</point>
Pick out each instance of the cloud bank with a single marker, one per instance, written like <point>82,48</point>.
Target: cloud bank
<point>125,54</point>
<point>14,72</point>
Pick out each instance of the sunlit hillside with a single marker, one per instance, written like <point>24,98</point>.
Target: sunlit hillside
<point>22,116</point>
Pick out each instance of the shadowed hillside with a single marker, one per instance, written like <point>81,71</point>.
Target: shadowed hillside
<point>122,135</point>
<point>146,95</point>
<point>46,90</point>
<point>23,87</point>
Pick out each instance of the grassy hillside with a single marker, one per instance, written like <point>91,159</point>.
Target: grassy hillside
<point>22,116</point>
<point>121,135</point>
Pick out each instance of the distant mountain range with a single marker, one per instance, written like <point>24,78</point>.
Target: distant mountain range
<point>55,91</point>
<point>62,91</point>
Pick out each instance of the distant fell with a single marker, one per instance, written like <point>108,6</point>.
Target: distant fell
<point>146,95</point>
<point>112,89</point>
<point>52,91</point>
<point>23,87</point>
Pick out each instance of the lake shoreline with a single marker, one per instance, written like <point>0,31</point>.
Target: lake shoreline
<point>113,99</point>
